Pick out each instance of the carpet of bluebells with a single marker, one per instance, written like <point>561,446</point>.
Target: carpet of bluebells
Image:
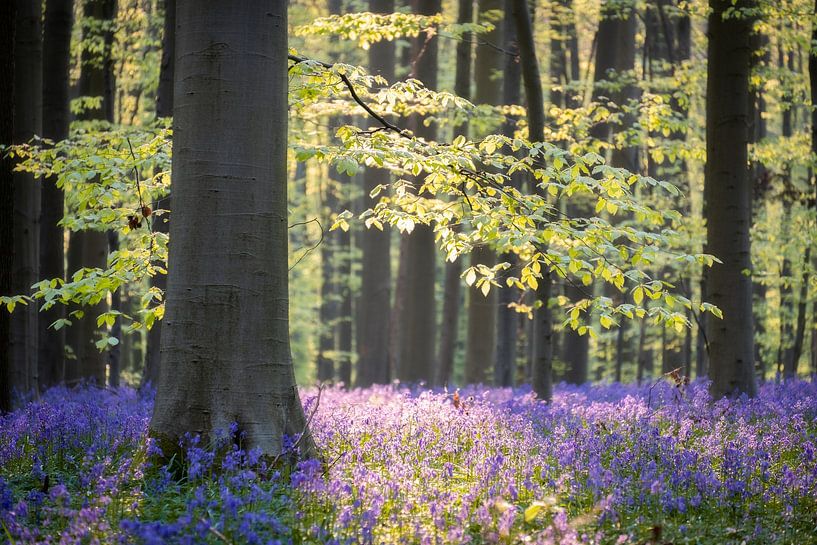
<point>600,464</point>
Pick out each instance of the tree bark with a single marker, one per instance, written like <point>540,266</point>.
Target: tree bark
<point>541,373</point>
<point>161,224</point>
<point>328,310</point>
<point>728,200</point>
<point>812,76</point>
<point>507,317</point>
<point>375,288</point>
<point>225,344</point>
<point>90,248</point>
<point>480,342</point>
<point>417,253</point>
<point>59,20</point>
<point>800,320</point>
<point>449,328</point>
<point>8,18</point>
<point>575,348</point>
<point>28,88</point>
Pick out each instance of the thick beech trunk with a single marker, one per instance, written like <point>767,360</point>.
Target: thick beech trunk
<point>161,224</point>
<point>417,252</point>
<point>728,199</point>
<point>59,20</point>
<point>225,345</point>
<point>7,38</point>
<point>375,287</point>
<point>28,51</point>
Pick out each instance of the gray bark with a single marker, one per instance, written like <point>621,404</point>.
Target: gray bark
<point>542,331</point>
<point>480,341</point>
<point>161,224</point>
<point>7,38</point>
<point>417,252</point>
<point>28,81</point>
<point>728,200</point>
<point>225,344</point>
<point>449,328</point>
<point>59,20</point>
<point>90,248</point>
<point>507,318</point>
<point>115,352</point>
<point>812,74</point>
<point>575,348</point>
<point>375,288</point>
<point>328,310</point>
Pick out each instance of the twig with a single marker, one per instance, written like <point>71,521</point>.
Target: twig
<point>306,426</point>
<point>320,241</point>
<point>215,532</point>
<point>351,87</point>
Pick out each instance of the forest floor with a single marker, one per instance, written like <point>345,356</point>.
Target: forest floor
<point>601,464</point>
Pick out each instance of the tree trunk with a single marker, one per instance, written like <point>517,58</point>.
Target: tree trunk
<point>346,306</point>
<point>800,320</point>
<point>28,81</point>
<point>449,328</point>
<point>760,186</point>
<point>90,248</point>
<point>728,200</point>
<point>115,352</point>
<point>417,253</point>
<point>375,287</point>
<point>59,20</point>
<point>7,38</point>
<point>812,76</point>
<point>161,224</point>
<point>507,317</point>
<point>225,344</point>
<point>541,373</point>
<point>328,310</point>
<point>480,344</point>
<point>575,348</point>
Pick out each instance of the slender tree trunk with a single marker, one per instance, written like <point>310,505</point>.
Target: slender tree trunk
<point>800,321</point>
<point>812,75</point>
<point>328,311</point>
<point>59,20</point>
<point>449,328</point>
<point>8,21</point>
<point>507,317</point>
<point>542,378</point>
<point>575,348</point>
<point>28,53</point>
<point>225,344</point>
<point>417,253</point>
<point>480,342</point>
<point>115,352</point>
<point>328,314</point>
<point>346,307</point>
<point>728,199</point>
<point>642,353</point>
<point>161,224</point>
<point>90,248</point>
<point>375,288</point>
<point>760,186</point>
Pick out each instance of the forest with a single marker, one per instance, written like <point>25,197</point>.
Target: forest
<point>392,271</point>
